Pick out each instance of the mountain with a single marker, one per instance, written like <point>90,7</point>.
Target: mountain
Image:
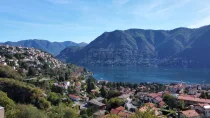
<point>178,47</point>
<point>51,47</point>
<point>68,51</point>
<point>82,44</point>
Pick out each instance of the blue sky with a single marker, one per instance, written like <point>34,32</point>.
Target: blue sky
<point>84,20</point>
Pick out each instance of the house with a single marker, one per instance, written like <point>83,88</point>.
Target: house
<point>203,108</point>
<point>124,96</point>
<point>193,100</point>
<point>154,98</point>
<point>162,104</point>
<point>99,114</point>
<point>150,106</point>
<point>130,107</point>
<point>190,114</point>
<point>100,99</point>
<point>1,112</point>
<point>96,103</point>
<point>62,85</point>
<point>67,83</point>
<point>177,88</point>
<point>94,91</point>
<point>121,112</point>
<point>192,91</point>
<point>74,97</point>
<point>102,81</point>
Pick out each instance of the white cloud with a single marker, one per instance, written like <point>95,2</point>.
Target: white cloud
<point>201,22</point>
<point>173,5</point>
<point>204,9</point>
<point>158,7</point>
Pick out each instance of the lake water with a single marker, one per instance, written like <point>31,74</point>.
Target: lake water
<point>152,74</point>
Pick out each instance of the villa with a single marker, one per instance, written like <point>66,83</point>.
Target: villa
<point>190,114</point>
<point>74,97</point>
<point>193,100</point>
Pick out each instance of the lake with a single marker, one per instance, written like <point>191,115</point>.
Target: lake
<point>151,74</point>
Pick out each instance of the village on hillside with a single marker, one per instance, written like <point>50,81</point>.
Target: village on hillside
<point>92,98</point>
<point>123,100</point>
<point>16,55</point>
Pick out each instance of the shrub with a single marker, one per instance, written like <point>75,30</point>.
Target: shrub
<point>8,72</point>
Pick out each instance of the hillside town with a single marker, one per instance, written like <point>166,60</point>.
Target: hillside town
<point>177,100</point>
<point>16,55</point>
<point>64,88</point>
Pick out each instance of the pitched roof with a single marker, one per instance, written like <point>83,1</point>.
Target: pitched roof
<point>201,105</point>
<point>120,108</point>
<point>154,95</point>
<point>150,104</point>
<point>159,99</point>
<point>162,103</point>
<point>190,113</point>
<point>73,96</point>
<point>95,102</point>
<point>99,98</point>
<point>114,111</point>
<point>189,98</point>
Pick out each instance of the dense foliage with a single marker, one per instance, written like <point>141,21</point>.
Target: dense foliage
<point>115,102</point>
<point>8,72</point>
<point>172,102</point>
<point>24,93</point>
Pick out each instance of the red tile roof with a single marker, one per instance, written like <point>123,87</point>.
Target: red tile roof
<point>190,113</point>
<point>73,96</point>
<point>154,95</point>
<point>159,99</point>
<point>193,99</point>
<point>120,111</point>
<point>120,108</point>
<point>162,104</point>
<point>204,106</point>
<point>150,105</point>
<point>114,111</point>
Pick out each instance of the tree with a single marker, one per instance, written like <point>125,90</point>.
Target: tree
<point>43,103</point>
<point>29,111</point>
<point>8,72</point>
<point>204,95</point>
<point>147,114</point>
<point>54,98</point>
<point>90,84</point>
<point>21,92</point>
<point>171,101</point>
<point>115,102</point>
<point>57,89</point>
<point>112,94</point>
<point>103,92</point>
<point>70,113</point>
<point>5,101</point>
<point>62,111</point>
<point>31,71</point>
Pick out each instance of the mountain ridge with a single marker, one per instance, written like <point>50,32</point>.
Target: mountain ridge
<point>51,47</point>
<point>145,48</point>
